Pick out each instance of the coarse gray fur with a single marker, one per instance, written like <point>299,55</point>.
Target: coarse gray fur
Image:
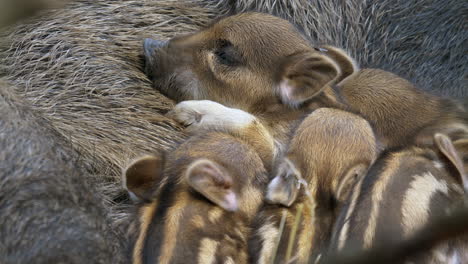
<point>51,210</point>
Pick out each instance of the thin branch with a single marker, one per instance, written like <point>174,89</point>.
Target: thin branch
<point>292,236</point>
<point>280,233</point>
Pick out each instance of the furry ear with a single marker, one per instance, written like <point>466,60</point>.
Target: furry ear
<point>461,146</point>
<point>141,176</point>
<point>285,187</point>
<point>304,75</point>
<point>453,130</point>
<point>450,151</point>
<point>346,64</point>
<point>349,180</point>
<point>212,181</point>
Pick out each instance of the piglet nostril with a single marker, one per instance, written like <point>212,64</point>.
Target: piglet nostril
<point>150,45</point>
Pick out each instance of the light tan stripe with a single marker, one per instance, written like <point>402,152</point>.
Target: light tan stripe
<point>416,201</point>
<point>229,260</point>
<point>251,200</point>
<point>343,236</point>
<point>215,214</point>
<point>172,227</point>
<point>377,196</point>
<point>146,214</point>
<point>207,251</point>
<point>198,221</point>
<point>269,234</point>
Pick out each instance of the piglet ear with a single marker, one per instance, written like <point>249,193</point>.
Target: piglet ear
<point>142,176</point>
<point>212,181</point>
<point>304,75</point>
<point>461,145</point>
<point>454,153</point>
<point>346,64</point>
<point>284,188</point>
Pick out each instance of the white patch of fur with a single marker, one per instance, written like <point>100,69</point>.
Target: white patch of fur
<point>285,91</point>
<point>317,259</point>
<point>416,201</point>
<point>230,202</point>
<point>229,260</point>
<point>207,251</point>
<point>272,194</point>
<point>377,196</point>
<point>454,258</point>
<point>438,165</point>
<point>446,255</point>
<point>206,114</point>
<point>269,234</point>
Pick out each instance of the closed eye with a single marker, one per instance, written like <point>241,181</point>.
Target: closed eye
<point>226,53</point>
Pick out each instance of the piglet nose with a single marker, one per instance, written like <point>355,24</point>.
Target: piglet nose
<point>150,45</point>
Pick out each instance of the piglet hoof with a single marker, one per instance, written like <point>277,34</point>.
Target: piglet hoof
<point>186,113</point>
<point>202,115</point>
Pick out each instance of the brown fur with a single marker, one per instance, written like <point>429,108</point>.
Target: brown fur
<point>150,176</point>
<point>421,40</point>
<point>403,191</point>
<point>253,46</point>
<point>400,113</point>
<point>200,200</point>
<point>88,87</point>
<point>331,151</point>
<point>261,64</point>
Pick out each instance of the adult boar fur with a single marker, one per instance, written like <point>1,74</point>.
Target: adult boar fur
<point>78,69</point>
<point>80,65</point>
<point>51,211</point>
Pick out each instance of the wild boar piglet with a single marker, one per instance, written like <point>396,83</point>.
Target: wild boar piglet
<point>403,191</point>
<point>263,65</point>
<point>330,151</point>
<point>197,202</point>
